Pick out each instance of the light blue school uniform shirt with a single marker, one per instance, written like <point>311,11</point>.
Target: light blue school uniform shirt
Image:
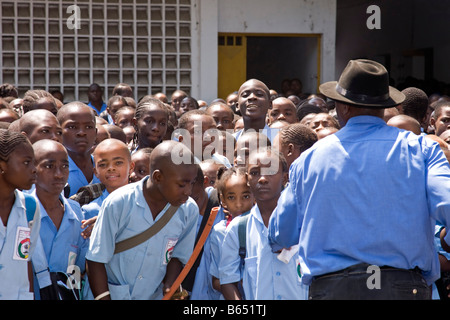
<point>92,208</point>
<point>268,131</point>
<point>137,273</point>
<point>264,276</point>
<point>77,179</point>
<point>14,284</point>
<point>65,246</point>
<point>369,193</point>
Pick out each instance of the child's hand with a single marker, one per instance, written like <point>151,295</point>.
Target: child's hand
<point>180,294</point>
<point>89,225</point>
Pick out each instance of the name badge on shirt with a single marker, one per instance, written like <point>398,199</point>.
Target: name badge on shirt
<point>22,243</point>
<point>170,245</point>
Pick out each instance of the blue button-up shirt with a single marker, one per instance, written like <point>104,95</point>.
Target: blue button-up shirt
<point>77,178</point>
<point>138,273</point>
<point>264,276</point>
<point>369,193</point>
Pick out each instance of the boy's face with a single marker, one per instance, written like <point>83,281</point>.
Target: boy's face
<point>176,100</point>
<point>112,166</point>
<point>265,182</point>
<point>52,168</point>
<point>320,121</point>
<point>222,116</point>
<point>186,105</point>
<point>237,197</point>
<point>112,109</point>
<point>46,128</point>
<point>282,110</point>
<point>125,119</point>
<point>254,100</point>
<point>176,183</point>
<point>197,128</point>
<point>443,122</point>
<point>141,166</point>
<point>79,131</point>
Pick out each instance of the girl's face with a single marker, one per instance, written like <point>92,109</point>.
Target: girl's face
<point>237,197</point>
<point>20,170</point>
<point>151,127</point>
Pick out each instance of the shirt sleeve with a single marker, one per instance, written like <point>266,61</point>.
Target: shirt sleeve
<point>103,237</point>
<point>438,186</point>
<point>185,244</point>
<point>229,265</point>
<point>285,221</point>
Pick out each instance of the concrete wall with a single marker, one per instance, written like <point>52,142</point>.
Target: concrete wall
<point>262,17</point>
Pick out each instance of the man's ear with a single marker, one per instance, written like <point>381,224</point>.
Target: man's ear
<point>433,122</point>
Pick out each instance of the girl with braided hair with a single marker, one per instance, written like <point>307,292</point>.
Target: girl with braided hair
<point>150,122</point>
<point>17,237</point>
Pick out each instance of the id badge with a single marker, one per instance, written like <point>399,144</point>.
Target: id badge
<point>170,245</point>
<point>22,243</point>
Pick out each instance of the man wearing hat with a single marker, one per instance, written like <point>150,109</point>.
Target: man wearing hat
<point>362,203</point>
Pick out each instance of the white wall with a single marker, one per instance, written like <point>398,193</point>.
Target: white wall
<point>258,16</point>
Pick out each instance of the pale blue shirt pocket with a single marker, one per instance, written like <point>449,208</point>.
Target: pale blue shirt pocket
<point>119,292</point>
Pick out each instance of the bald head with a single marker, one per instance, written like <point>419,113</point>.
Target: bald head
<point>40,124</point>
<point>73,107</point>
<point>405,122</point>
<point>45,146</point>
<point>112,146</point>
<point>170,153</point>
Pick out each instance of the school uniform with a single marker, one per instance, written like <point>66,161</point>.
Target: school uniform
<point>76,177</point>
<point>268,131</point>
<point>202,288</point>
<point>92,209</point>
<point>264,277</point>
<point>63,247</point>
<point>137,273</point>
<point>104,106</point>
<point>217,236</point>
<point>14,256</point>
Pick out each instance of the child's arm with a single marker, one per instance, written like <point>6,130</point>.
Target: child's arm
<point>98,279</point>
<point>174,268</point>
<point>216,284</point>
<point>230,291</point>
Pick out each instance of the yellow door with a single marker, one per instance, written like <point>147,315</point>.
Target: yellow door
<point>232,63</point>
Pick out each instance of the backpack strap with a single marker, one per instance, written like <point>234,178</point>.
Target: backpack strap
<point>242,233</point>
<point>30,207</point>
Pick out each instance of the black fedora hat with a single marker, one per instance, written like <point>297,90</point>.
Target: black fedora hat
<point>363,83</point>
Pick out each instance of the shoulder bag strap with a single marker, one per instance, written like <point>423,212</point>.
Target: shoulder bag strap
<point>198,247</point>
<point>147,234</point>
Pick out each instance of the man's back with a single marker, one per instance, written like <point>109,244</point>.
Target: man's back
<point>367,193</point>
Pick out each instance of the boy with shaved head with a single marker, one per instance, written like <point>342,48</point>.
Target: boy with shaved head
<point>254,102</point>
<point>78,123</point>
<point>147,270</point>
<point>40,124</point>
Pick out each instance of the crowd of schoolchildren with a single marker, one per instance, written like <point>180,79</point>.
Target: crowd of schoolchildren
<point>101,172</point>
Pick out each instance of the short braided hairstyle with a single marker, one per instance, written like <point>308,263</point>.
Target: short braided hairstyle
<point>9,141</point>
<point>31,98</point>
<point>299,135</point>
